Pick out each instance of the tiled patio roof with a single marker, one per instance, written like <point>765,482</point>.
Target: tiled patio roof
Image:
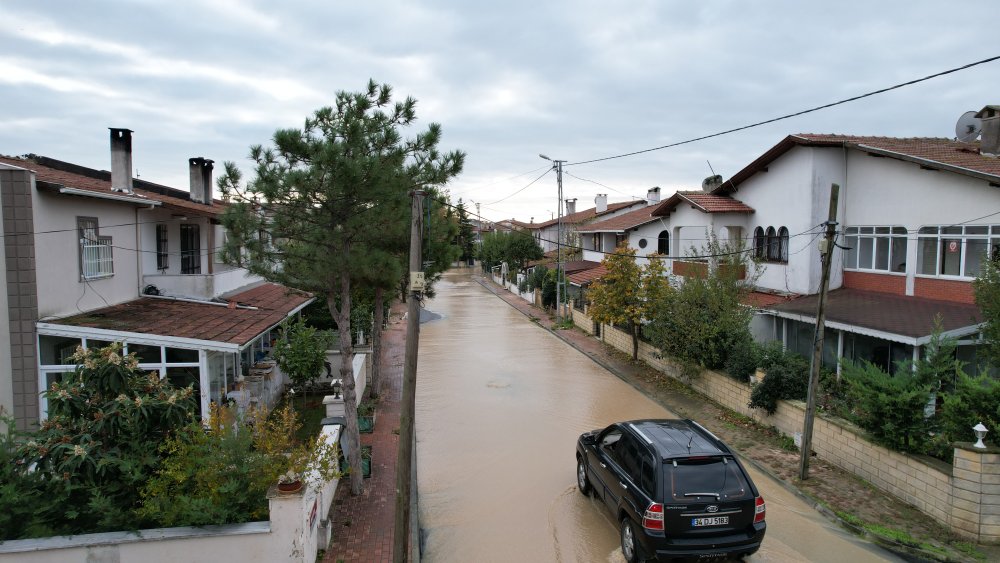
<point>585,277</point>
<point>895,317</point>
<point>265,306</point>
<point>706,203</point>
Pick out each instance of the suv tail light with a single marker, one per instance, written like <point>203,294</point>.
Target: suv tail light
<point>758,510</point>
<point>653,518</point>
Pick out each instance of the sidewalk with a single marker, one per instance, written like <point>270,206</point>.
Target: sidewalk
<point>363,525</point>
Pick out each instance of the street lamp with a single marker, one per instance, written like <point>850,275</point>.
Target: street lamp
<point>980,431</point>
<point>558,164</point>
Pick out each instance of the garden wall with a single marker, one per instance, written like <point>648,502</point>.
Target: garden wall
<point>297,529</point>
<point>965,496</point>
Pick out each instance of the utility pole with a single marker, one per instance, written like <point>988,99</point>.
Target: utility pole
<point>404,460</point>
<point>558,164</point>
<point>826,249</point>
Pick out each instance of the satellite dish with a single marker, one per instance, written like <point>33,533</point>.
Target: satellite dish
<point>968,127</point>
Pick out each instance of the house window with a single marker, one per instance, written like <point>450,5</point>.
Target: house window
<point>956,250</point>
<point>597,242</point>
<point>663,243</point>
<point>190,249</point>
<point>881,249</point>
<point>162,256</point>
<point>96,252</point>
<point>759,243</point>
<point>771,245</point>
<point>620,240</point>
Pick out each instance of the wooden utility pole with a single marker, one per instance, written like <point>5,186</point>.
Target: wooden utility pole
<point>404,460</point>
<point>817,358</point>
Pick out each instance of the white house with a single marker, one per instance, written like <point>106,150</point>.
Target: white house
<point>547,233</point>
<point>916,218</point>
<point>93,257</point>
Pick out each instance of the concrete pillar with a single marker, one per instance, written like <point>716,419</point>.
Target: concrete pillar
<point>975,506</point>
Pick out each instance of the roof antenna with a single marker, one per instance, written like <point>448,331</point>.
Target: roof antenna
<point>710,167</point>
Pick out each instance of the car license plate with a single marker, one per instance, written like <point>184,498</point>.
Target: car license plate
<point>713,521</point>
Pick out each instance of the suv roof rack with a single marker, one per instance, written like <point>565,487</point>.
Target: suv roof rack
<point>675,438</point>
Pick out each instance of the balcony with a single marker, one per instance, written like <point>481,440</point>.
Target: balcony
<point>200,286</point>
<point>699,269</point>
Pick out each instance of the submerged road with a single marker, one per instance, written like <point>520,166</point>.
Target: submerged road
<point>500,404</point>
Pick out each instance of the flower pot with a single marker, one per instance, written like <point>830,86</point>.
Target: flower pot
<point>366,462</point>
<point>366,424</point>
<point>289,488</point>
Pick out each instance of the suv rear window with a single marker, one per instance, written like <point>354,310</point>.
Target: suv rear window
<point>690,478</point>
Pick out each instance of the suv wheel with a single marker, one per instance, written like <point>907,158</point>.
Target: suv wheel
<point>630,548</point>
<point>582,482</point>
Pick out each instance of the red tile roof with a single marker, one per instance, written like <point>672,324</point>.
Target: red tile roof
<point>706,203</point>
<point>588,214</point>
<point>99,181</point>
<point>939,153</point>
<point>908,317</point>
<point>586,277</point>
<point>622,223</point>
<point>200,321</point>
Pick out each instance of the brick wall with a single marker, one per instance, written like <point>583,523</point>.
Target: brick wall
<point>965,496</point>
<point>883,283</point>
<point>944,290</point>
<point>22,293</point>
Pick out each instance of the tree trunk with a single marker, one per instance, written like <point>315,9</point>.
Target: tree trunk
<point>376,359</point>
<point>635,341</point>
<point>352,437</point>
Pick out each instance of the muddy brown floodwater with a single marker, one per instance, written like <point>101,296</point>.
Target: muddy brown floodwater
<point>500,403</point>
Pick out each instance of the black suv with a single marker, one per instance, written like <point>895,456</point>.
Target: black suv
<point>676,490</point>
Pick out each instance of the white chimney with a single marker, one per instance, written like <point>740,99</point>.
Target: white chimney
<point>601,201</point>
<point>121,160</point>
<point>570,206</point>
<point>653,196</point>
<point>989,140</point>
<point>200,170</point>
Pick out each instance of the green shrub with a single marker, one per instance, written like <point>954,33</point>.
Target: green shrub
<point>974,400</point>
<point>302,352</point>
<point>744,358</point>
<point>787,378</point>
<point>890,407</point>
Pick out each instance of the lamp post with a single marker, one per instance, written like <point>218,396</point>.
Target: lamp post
<point>558,164</point>
<point>980,431</point>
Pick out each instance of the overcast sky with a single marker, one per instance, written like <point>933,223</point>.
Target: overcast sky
<point>576,80</point>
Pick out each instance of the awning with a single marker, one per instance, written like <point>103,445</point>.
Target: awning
<point>908,320</point>
<point>214,326</point>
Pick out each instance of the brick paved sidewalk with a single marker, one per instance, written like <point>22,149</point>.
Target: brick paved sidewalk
<point>363,525</point>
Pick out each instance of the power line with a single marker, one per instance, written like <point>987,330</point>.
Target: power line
<point>602,185</point>
<point>522,189</point>
<point>790,115</point>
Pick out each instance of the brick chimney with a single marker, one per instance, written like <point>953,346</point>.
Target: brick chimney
<point>653,196</point>
<point>570,206</point>
<point>989,140</point>
<point>121,160</point>
<point>601,201</point>
<point>201,179</point>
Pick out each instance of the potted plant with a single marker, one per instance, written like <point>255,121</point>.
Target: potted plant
<point>366,417</point>
<point>366,463</point>
<point>289,482</point>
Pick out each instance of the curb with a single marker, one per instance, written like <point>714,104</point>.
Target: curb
<point>908,553</point>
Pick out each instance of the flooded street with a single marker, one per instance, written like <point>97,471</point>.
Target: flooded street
<point>500,404</point>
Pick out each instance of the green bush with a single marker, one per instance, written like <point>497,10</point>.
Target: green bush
<point>94,451</point>
<point>302,352</point>
<point>787,378</point>
<point>974,400</point>
<point>890,407</point>
<point>743,359</point>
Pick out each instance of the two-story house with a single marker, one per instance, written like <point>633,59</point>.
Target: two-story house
<point>547,233</point>
<point>93,257</point>
<point>916,218</point>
